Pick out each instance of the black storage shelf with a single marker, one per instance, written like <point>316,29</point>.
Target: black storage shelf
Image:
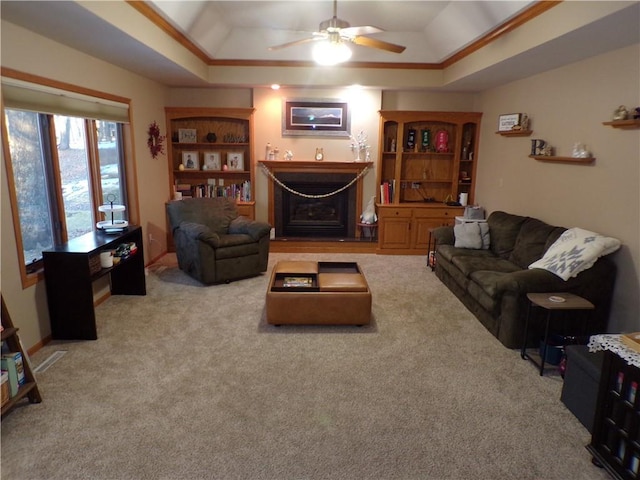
<point>69,276</point>
<point>616,434</point>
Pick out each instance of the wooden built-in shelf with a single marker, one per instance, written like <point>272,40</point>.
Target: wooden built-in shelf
<point>212,145</point>
<point>551,158</point>
<point>624,124</point>
<point>209,173</point>
<point>515,133</point>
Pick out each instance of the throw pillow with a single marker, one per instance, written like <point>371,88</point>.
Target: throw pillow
<point>575,250</point>
<point>484,234</point>
<point>467,235</point>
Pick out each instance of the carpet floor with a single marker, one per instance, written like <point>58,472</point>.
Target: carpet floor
<point>190,382</point>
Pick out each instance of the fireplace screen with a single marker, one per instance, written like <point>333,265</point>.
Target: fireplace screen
<point>301,216</point>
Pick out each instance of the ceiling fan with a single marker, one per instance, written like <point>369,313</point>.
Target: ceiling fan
<point>336,33</point>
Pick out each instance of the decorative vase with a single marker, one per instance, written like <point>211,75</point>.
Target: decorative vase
<point>361,154</point>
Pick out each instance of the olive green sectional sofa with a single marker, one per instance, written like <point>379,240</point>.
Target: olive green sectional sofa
<point>493,277</point>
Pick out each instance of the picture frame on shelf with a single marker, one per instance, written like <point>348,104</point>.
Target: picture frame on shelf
<point>187,135</point>
<point>235,161</point>
<point>507,121</point>
<point>190,160</point>
<point>212,161</point>
<point>316,117</point>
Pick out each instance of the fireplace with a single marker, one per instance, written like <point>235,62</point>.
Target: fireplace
<point>315,214</point>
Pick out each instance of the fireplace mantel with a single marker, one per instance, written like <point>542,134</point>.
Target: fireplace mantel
<point>314,167</point>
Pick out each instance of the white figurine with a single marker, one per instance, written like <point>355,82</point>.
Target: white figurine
<point>369,215</point>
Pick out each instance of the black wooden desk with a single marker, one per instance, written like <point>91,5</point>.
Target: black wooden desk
<point>69,277</point>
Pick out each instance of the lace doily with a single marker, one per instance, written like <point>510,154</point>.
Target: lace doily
<point>614,343</point>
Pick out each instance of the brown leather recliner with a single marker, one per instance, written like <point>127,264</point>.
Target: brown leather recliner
<point>214,244</point>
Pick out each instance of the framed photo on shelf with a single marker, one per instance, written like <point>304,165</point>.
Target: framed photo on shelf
<point>313,117</point>
<point>235,160</point>
<point>190,160</point>
<point>187,135</point>
<point>212,161</point>
<point>508,121</point>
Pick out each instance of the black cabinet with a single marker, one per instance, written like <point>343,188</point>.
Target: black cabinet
<point>615,443</point>
<point>70,270</point>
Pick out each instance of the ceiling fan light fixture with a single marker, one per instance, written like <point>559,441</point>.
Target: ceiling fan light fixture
<point>331,53</point>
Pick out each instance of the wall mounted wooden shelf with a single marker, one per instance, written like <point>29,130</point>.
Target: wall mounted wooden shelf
<point>515,133</point>
<point>624,124</point>
<point>550,158</point>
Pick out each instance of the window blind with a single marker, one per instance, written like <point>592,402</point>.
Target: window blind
<point>22,95</point>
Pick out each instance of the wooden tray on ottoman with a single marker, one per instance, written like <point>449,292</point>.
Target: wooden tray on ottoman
<point>323,293</point>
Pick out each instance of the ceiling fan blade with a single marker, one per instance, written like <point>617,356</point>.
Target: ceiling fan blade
<point>295,42</point>
<point>363,30</point>
<point>379,44</point>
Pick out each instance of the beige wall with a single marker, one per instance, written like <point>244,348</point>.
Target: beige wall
<point>568,105</point>
<point>428,101</point>
<point>210,97</point>
<point>363,105</point>
<point>24,51</point>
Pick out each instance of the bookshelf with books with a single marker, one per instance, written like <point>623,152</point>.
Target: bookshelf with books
<point>211,154</point>
<point>426,160</point>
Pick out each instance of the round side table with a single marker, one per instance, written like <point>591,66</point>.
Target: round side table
<point>370,228</point>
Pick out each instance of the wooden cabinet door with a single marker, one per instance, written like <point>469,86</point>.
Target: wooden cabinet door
<point>427,219</point>
<point>395,228</point>
<point>246,210</point>
<point>395,232</point>
<point>422,227</point>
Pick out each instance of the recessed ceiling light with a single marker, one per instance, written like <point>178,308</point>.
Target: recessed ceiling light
<point>275,86</point>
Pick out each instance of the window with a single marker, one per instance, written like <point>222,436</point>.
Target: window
<point>30,181</point>
<point>59,186</point>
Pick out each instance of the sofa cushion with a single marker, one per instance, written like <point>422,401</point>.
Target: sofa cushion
<point>449,251</point>
<point>504,228</point>
<point>234,240</point>
<point>456,275</point>
<point>555,235</point>
<point>531,241</point>
<point>483,288</point>
<point>468,264</point>
<point>236,246</point>
<point>575,251</point>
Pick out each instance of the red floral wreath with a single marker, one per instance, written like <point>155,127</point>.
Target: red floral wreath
<point>155,140</point>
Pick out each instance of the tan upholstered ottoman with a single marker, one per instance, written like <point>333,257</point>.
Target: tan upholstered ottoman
<point>318,293</point>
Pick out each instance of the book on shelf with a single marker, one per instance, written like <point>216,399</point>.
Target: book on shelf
<point>4,387</point>
<point>10,367</point>
<point>18,361</point>
<point>241,192</point>
<point>386,191</point>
